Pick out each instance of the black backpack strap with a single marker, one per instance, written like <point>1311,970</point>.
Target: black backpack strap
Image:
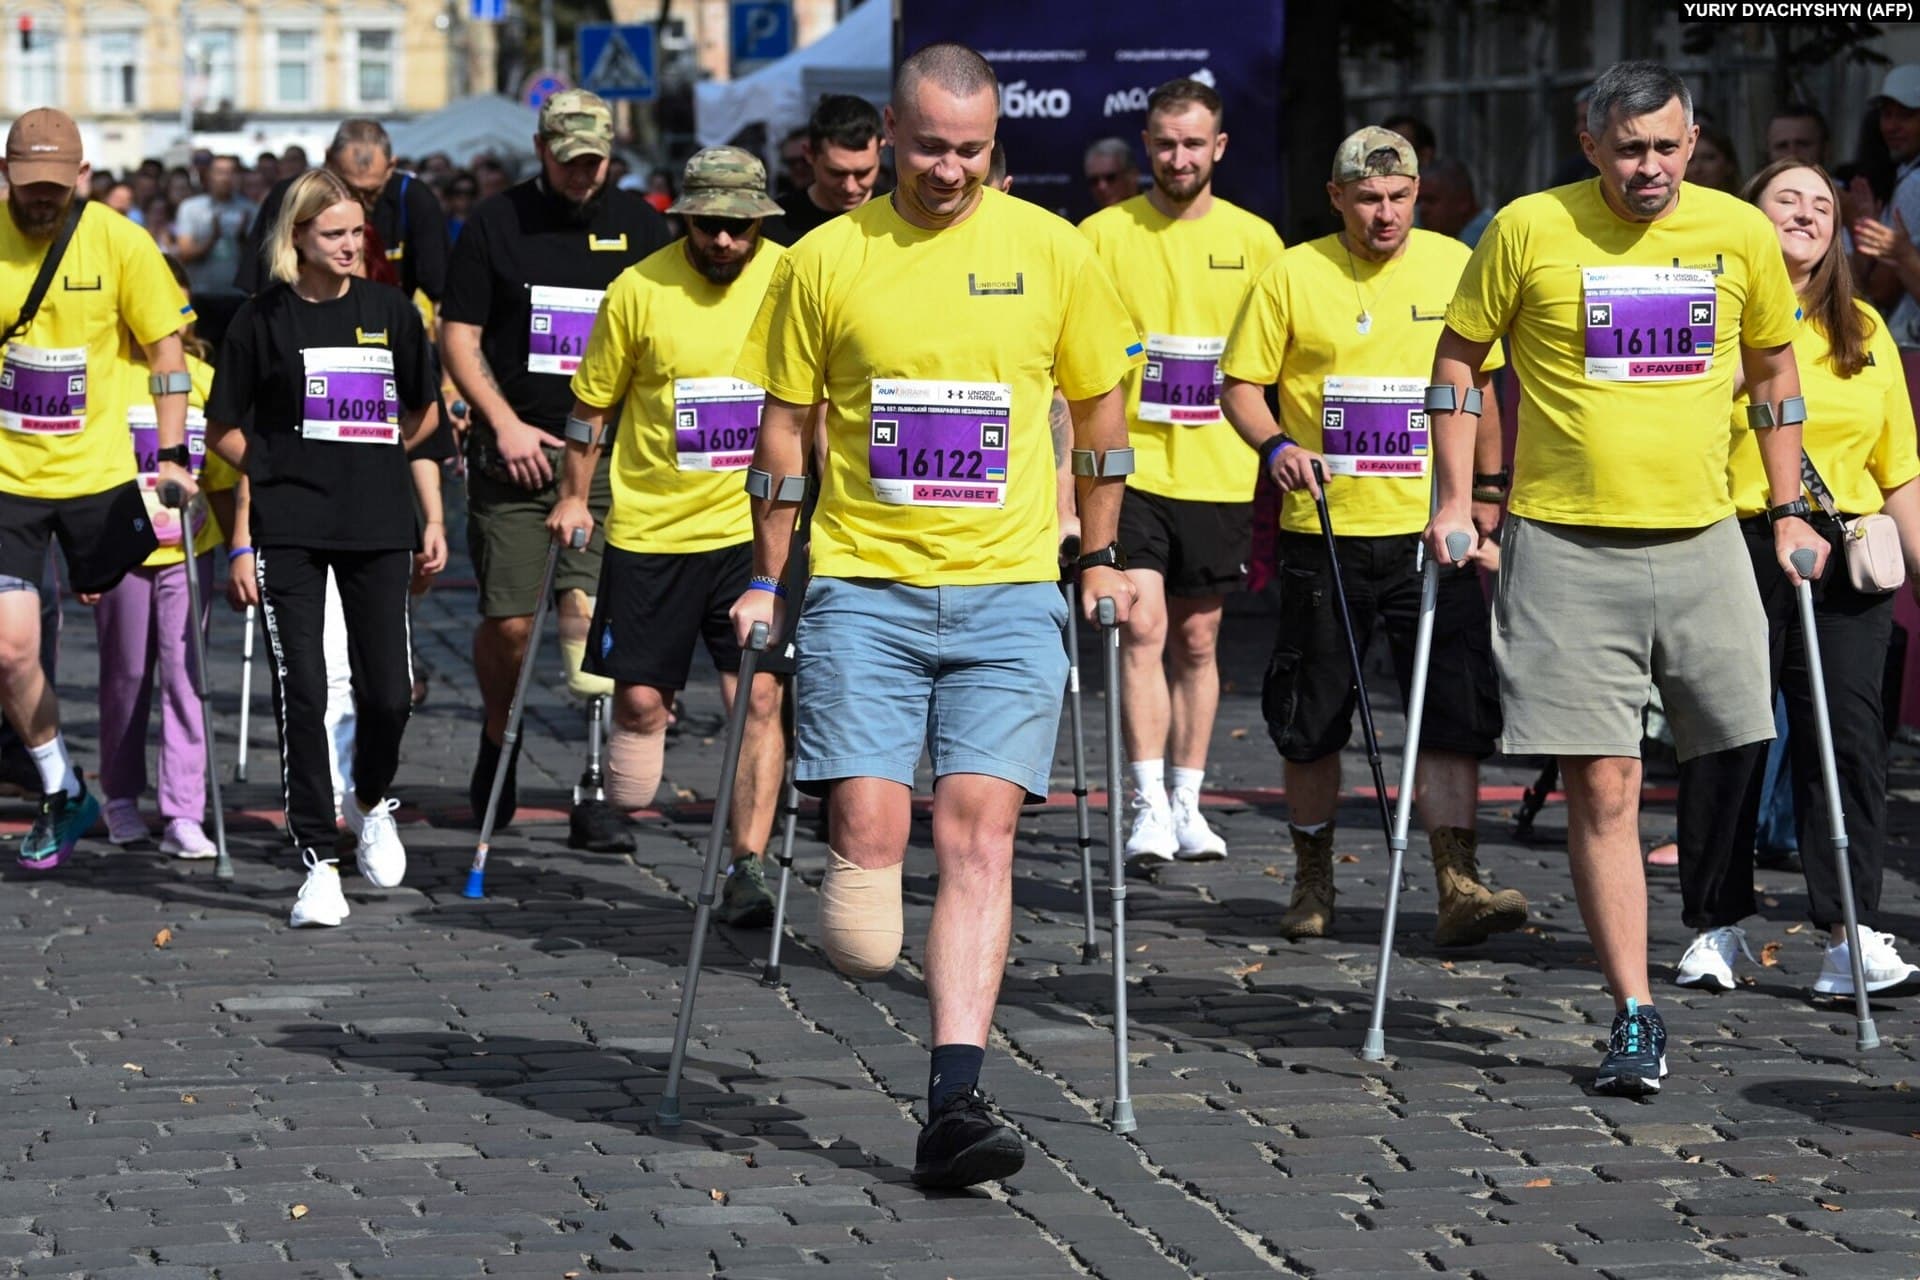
<point>44,281</point>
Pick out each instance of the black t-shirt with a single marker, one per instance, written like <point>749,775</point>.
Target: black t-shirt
<point>302,379</point>
<point>800,216</point>
<point>523,239</point>
<point>407,218</point>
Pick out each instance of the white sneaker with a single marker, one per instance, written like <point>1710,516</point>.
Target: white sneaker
<point>377,849</point>
<point>1150,838</point>
<point>185,838</point>
<point>320,900</point>
<point>1880,962</point>
<point>1708,962</point>
<point>1197,841</point>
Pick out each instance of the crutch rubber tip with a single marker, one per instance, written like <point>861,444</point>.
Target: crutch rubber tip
<point>1089,953</point>
<point>1375,1048</point>
<point>770,978</point>
<point>223,871</point>
<point>668,1116</point>
<point>476,885</point>
<point>1803,562</point>
<point>1866,1036</point>
<point>1123,1121</point>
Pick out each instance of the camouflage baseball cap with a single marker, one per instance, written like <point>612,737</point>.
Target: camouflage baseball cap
<point>576,123</point>
<point>1374,152</point>
<point>725,182</point>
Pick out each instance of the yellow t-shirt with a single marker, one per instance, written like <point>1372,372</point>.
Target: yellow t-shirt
<point>1299,327</point>
<point>937,353</point>
<point>1182,281</point>
<point>1859,430</point>
<point>125,387</point>
<point>665,341</point>
<point>57,438</point>
<point>1625,336</point>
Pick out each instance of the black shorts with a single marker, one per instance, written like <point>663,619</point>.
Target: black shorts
<point>104,535</point>
<point>1308,696</point>
<point>1200,548</point>
<point>653,606</point>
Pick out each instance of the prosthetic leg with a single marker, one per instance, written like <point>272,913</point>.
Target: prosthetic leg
<point>592,824</point>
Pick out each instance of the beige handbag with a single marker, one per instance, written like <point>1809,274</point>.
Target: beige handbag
<point>1870,544</point>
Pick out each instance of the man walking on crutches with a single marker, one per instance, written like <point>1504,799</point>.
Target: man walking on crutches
<point>679,533</point>
<point>1346,325</point>
<point>934,327</point>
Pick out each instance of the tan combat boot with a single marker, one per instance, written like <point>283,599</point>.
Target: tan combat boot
<point>1311,910</point>
<point>1469,911</point>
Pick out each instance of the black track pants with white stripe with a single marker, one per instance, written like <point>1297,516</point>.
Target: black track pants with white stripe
<point>293,599</point>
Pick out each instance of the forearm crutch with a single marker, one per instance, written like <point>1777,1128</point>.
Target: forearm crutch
<point>246,697</point>
<point>1865,1035</point>
<point>476,886</point>
<point>1374,1048</point>
<point>1353,652</point>
<point>668,1114</point>
<point>1122,1118</point>
<point>1082,823</point>
<point>172,495</point>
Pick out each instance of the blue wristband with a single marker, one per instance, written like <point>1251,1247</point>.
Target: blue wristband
<point>1273,446</point>
<point>760,583</point>
<point>237,552</point>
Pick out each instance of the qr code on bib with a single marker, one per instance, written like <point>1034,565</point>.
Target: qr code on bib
<point>77,385</point>
<point>542,324</point>
<point>885,431</point>
<point>316,386</point>
<point>1333,419</point>
<point>993,435</point>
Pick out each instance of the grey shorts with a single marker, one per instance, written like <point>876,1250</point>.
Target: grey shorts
<point>1588,620</point>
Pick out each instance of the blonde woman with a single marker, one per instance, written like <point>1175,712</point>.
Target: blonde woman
<point>325,381</point>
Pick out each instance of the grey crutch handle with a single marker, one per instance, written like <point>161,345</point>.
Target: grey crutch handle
<point>577,540</point>
<point>1458,544</point>
<point>757,637</point>
<point>1802,561</point>
<point>172,495</point>
<point>1105,611</point>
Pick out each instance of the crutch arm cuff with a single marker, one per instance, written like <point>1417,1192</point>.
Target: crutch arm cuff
<point>1761,417</point>
<point>176,383</point>
<point>760,484</point>
<point>1114,462</point>
<point>580,431</point>
<point>1444,399</point>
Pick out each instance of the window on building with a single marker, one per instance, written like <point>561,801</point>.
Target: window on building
<point>33,74</point>
<point>216,68</point>
<point>373,58</point>
<point>293,68</point>
<point>114,57</point>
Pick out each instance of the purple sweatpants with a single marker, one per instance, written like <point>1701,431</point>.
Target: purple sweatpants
<point>142,625</point>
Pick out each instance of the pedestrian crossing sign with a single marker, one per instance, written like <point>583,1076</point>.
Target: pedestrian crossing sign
<point>619,61</point>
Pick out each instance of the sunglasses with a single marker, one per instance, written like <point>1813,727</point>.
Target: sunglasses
<point>735,227</point>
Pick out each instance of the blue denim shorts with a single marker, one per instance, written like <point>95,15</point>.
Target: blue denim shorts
<point>975,675</point>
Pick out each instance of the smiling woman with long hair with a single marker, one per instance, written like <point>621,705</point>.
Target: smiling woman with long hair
<point>325,380</point>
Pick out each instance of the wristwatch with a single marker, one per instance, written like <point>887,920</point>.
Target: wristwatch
<point>1109,556</point>
<point>1501,479</point>
<point>1798,507</point>
<point>176,454</point>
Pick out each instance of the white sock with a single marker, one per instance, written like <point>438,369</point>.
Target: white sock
<point>1148,780</point>
<point>1313,830</point>
<point>1187,780</point>
<point>56,768</point>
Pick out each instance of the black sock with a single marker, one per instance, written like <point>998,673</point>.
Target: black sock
<point>955,1069</point>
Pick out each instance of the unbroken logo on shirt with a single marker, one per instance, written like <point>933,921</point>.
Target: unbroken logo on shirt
<point>366,339</point>
<point>1718,266</point>
<point>1227,264</point>
<point>613,244</point>
<point>989,288</point>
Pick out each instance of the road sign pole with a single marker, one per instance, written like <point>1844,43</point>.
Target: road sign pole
<point>547,51</point>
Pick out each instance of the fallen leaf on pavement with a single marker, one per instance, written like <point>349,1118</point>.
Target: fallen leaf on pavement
<point>188,1098</point>
<point>1349,857</point>
<point>298,1211</point>
<point>1765,1177</point>
<point>1770,955</point>
<point>1243,970</point>
<point>1748,980</point>
<point>1237,734</point>
<point>1140,948</point>
<point>1901,1086</point>
<point>163,937</point>
<point>717,1196</point>
<point>1795,928</point>
<point>1772,902</point>
<point>1271,871</point>
<point>1830,1208</point>
<point>133,1066</point>
<point>1446,964</point>
<point>1539,1182</point>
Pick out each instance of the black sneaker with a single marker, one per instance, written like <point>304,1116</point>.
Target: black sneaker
<point>598,827</point>
<point>965,1143</point>
<point>1636,1058</point>
<point>745,900</point>
<point>480,785</point>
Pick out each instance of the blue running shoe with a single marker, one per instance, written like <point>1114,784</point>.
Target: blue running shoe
<point>63,820</point>
<point>1636,1057</point>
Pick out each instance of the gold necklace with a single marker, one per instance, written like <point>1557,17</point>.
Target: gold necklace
<point>1363,322</point>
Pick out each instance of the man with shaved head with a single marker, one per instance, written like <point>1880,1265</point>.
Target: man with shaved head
<point>934,617</point>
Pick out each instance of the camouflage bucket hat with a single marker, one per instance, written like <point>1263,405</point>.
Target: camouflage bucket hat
<point>576,123</point>
<point>725,182</point>
<point>1374,152</point>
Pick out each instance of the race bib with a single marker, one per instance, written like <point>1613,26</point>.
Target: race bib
<point>558,331</point>
<point>716,422</point>
<point>1648,324</point>
<point>144,426</point>
<point>1374,426</point>
<point>1181,380</point>
<point>939,444</point>
<point>43,392</point>
<point>351,398</point>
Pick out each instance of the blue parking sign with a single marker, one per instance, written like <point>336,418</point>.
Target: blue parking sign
<point>762,32</point>
<point>618,61</point>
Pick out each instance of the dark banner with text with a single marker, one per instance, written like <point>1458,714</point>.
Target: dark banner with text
<point>1075,71</point>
